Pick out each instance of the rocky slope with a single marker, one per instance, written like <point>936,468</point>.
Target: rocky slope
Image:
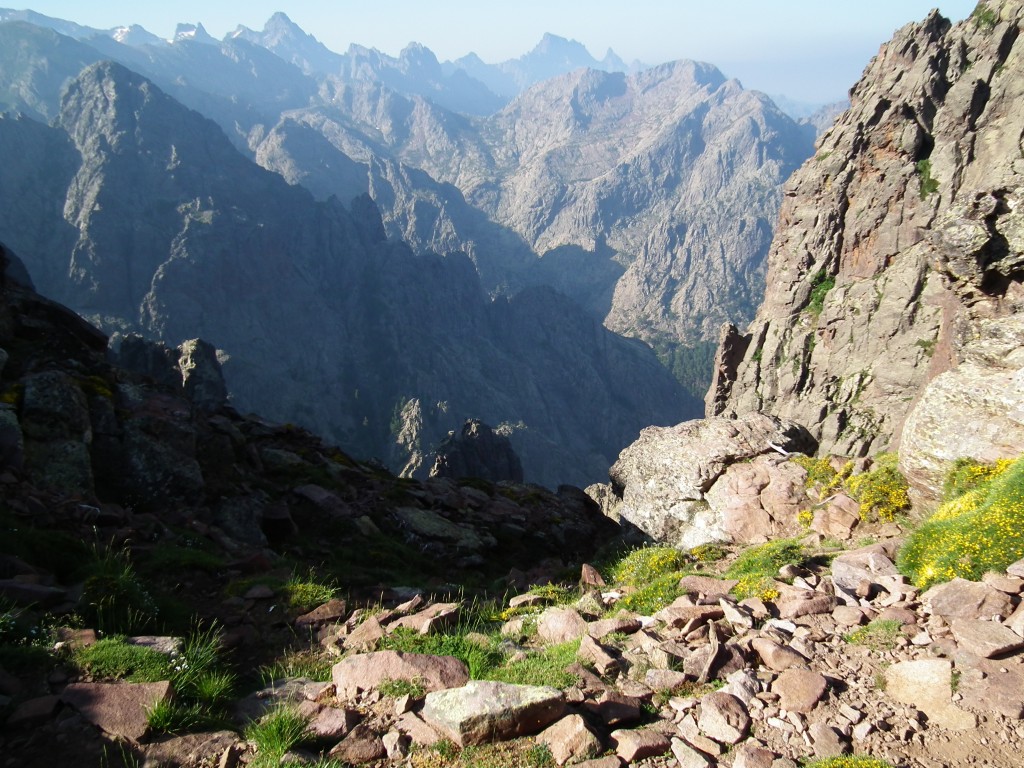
<point>897,257</point>
<point>162,227</point>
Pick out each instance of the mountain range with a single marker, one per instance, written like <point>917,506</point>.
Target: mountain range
<point>443,249</point>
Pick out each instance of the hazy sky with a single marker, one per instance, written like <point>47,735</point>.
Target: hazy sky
<point>812,50</point>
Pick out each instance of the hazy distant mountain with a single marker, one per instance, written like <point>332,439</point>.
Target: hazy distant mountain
<point>552,56</point>
<point>649,198</point>
<point>140,214</point>
<point>285,38</point>
<point>68,28</point>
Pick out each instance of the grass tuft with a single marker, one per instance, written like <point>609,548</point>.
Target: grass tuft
<point>274,734</point>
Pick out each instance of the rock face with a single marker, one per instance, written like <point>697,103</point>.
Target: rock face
<point>477,452</point>
<point>710,480</point>
<point>230,253</point>
<point>898,256</point>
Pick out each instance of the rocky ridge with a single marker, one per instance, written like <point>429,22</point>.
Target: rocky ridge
<point>897,256</point>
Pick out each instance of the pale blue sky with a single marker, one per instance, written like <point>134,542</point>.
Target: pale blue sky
<point>807,49</point>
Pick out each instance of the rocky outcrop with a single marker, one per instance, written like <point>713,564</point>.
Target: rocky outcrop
<point>193,367</point>
<point>478,451</point>
<point>898,249</point>
<point>711,480</point>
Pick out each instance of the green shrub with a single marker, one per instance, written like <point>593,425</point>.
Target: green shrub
<point>968,474</point>
<point>929,185</point>
<point>980,530</point>
<point>113,658</point>
<point>820,286</point>
<point>883,492</point>
<point>641,566</point>
<point>821,475</point>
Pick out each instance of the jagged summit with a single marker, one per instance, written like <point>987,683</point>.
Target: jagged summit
<point>193,32</point>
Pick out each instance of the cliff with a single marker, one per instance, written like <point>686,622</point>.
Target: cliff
<point>898,249</point>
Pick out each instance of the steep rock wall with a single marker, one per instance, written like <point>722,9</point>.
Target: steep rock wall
<point>895,242</point>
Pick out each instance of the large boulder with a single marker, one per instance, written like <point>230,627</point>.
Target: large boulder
<point>712,479</point>
<point>976,409</point>
<point>485,711</point>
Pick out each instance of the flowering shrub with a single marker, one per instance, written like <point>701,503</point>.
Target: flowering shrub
<point>707,553</point>
<point>980,530</point>
<point>882,492</point>
<point>849,761</point>
<point>967,474</point>
<point>641,566</point>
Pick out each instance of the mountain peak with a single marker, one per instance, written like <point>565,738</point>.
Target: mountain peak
<point>195,32</point>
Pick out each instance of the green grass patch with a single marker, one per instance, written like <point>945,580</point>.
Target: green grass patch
<point>980,530</point>
<point>880,635</point>
<point>114,658</point>
<point>19,659</point>
<point>556,593</point>
<point>707,553</point>
<point>115,600</point>
<point>546,666</point>
<point>757,568</point>
<point>397,688</point>
<point>520,753</point>
<point>59,553</point>
<point>176,717</point>
<point>480,659</point>
<point>305,594</point>
<point>767,559</point>
<point>167,557</point>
